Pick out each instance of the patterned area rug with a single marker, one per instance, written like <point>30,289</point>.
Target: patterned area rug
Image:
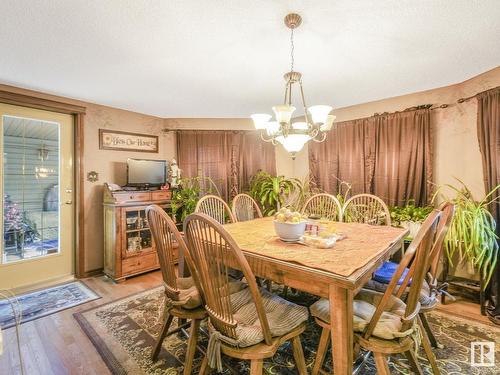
<point>124,333</point>
<point>44,302</point>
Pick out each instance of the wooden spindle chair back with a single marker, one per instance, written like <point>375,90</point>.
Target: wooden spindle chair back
<point>447,212</point>
<point>166,236</point>
<point>324,205</point>
<point>418,252</point>
<point>366,209</point>
<point>245,208</point>
<point>214,252</point>
<point>216,208</point>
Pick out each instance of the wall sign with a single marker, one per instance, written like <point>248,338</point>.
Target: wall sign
<point>124,141</point>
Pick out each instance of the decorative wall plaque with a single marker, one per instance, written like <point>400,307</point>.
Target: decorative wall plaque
<point>125,141</point>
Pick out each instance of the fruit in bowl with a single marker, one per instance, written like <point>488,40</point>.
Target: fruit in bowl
<point>289,225</point>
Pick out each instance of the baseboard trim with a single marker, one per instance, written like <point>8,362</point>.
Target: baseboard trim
<point>92,273</point>
<point>43,284</point>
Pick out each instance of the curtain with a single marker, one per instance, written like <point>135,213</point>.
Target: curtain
<point>346,155</point>
<point>488,134</point>
<point>403,157</point>
<point>388,155</point>
<point>229,158</point>
<point>204,154</point>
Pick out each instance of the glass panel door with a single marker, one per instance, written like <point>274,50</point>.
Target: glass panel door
<point>30,188</point>
<point>37,214</point>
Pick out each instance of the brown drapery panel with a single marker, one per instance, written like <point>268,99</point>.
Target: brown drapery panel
<point>229,158</point>
<point>347,154</point>
<point>387,155</point>
<point>488,134</point>
<point>403,157</point>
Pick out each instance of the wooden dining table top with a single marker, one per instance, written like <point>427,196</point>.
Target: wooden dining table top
<point>348,260</point>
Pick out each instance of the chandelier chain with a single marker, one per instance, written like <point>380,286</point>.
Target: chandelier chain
<point>292,48</point>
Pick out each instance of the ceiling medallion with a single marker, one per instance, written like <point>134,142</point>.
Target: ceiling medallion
<point>315,122</point>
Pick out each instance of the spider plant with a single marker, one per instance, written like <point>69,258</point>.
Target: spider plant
<point>271,191</point>
<point>472,231</point>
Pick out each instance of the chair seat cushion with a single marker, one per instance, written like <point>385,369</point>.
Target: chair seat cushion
<point>283,316</point>
<point>189,296</point>
<point>364,306</point>
<point>427,298</point>
<point>385,272</point>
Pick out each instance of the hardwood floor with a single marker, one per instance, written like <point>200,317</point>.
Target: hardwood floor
<point>56,345</point>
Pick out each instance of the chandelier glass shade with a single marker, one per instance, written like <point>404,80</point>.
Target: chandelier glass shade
<point>312,125</point>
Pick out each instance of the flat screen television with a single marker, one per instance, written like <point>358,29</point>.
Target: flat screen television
<point>142,172</point>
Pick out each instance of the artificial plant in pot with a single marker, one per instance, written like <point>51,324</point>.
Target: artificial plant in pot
<point>409,216</point>
<point>271,191</point>
<point>472,231</point>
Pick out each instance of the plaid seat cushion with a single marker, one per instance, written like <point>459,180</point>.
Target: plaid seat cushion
<point>283,316</point>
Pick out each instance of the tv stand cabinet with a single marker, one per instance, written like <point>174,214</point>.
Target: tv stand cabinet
<point>128,246</point>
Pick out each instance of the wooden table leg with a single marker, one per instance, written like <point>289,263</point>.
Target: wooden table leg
<point>341,329</point>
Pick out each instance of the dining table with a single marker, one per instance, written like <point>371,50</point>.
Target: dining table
<point>337,273</point>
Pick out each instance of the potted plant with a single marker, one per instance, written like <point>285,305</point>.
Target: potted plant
<point>271,191</point>
<point>187,195</point>
<point>409,216</point>
<point>472,232</point>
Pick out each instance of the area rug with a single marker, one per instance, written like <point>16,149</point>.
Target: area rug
<point>124,333</point>
<point>47,301</point>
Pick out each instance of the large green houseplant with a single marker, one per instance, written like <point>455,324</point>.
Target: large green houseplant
<point>472,231</point>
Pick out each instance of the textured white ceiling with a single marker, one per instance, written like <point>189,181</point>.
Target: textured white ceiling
<point>226,58</point>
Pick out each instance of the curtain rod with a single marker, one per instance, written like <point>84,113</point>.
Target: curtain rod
<point>436,106</point>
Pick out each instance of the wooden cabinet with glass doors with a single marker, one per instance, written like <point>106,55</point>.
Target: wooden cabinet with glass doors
<point>128,246</point>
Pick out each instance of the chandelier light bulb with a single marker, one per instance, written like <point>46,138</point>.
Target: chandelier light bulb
<point>327,126</point>
<point>283,113</point>
<point>294,142</point>
<point>260,120</point>
<point>319,113</point>
<point>272,128</point>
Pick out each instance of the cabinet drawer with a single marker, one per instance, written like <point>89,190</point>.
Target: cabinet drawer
<point>131,196</point>
<point>160,195</point>
<point>138,263</point>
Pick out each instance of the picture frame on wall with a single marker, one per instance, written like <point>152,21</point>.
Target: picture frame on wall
<point>126,141</point>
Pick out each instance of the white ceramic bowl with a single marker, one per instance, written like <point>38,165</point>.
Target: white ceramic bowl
<point>289,231</point>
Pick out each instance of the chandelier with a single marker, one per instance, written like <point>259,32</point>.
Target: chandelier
<point>316,121</point>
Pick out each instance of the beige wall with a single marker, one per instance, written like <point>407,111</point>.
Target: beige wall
<point>456,148</point>
<point>111,166</point>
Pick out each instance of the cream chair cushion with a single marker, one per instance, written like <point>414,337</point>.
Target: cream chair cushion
<point>189,296</point>
<point>364,306</point>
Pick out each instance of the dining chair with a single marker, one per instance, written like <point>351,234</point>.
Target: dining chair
<point>431,291</point>
<point>250,324</point>
<point>216,208</point>
<point>367,209</point>
<point>323,205</point>
<point>182,297</point>
<point>383,324</point>
<point>244,208</point>
<point>435,290</point>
